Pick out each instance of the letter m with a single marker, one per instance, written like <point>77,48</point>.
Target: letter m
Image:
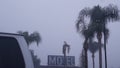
<point>51,60</point>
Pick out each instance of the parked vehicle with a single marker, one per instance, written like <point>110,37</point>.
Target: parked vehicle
<point>14,52</point>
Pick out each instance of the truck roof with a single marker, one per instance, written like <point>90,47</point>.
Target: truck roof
<point>10,33</point>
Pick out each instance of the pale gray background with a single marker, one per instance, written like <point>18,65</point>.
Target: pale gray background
<point>55,20</point>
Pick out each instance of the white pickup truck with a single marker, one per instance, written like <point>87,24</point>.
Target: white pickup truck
<point>14,52</point>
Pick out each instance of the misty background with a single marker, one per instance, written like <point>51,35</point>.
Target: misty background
<point>55,21</point>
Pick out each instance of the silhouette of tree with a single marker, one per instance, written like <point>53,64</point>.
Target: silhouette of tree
<point>82,28</point>
<point>97,25</point>
<point>30,38</point>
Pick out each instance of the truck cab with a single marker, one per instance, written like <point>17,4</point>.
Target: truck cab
<point>14,52</point>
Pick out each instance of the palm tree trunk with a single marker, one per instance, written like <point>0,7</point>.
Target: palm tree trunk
<point>105,51</point>
<point>99,36</point>
<point>105,47</point>
<point>65,60</point>
<point>83,59</point>
<point>100,57</point>
<point>93,60</point>
<point>85,49</point>
<point>86,59</point>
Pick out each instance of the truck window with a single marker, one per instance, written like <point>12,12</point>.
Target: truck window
<point>10,53</point>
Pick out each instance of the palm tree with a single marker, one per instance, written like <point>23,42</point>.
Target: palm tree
<point>97,25</point>
<point>65,46</point>
<point>30,38</point>
<point>111,14</point>
<point>87,33</point>
<point>99,18</point>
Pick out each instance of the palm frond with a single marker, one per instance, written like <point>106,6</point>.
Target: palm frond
<point>35,37</point>
<point>30,38</point>
<point>111,13</point>
<point>81,24</point>
<point>97,15</point>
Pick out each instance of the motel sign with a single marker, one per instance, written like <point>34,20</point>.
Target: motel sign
<point>55,60</point>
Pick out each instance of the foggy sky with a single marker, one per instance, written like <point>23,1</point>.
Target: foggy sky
<point>55,21</point>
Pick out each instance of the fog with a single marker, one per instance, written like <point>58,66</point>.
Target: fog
<point>55,21</point>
